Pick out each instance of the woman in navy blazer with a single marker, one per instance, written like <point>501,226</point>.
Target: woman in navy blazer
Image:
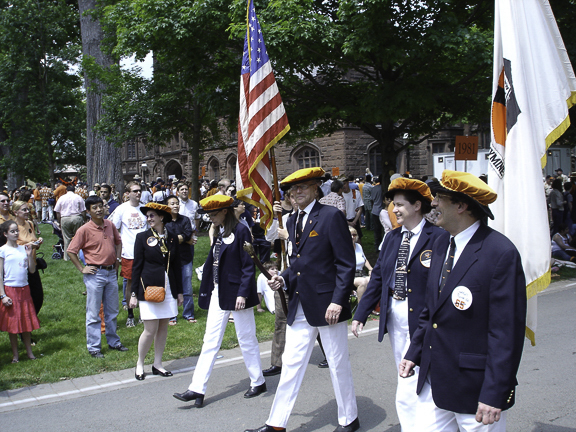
<point>228,284</point>
<point>155,255</point>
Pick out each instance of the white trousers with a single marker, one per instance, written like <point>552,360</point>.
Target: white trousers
<point>300,339</point>
<point>399,334</point>
<point>215,327</point>
<point>433,419</point>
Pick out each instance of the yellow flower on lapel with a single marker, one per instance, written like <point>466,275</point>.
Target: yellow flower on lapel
<point>313,233</point>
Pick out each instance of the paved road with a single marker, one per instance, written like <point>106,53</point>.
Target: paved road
<point>116,402</point>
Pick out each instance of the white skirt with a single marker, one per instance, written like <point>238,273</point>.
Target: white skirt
<point>167,309</point>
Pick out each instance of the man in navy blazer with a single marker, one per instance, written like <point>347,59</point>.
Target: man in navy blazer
<point>319,282</point>
<point>398,282</point>
<point>471,332</point>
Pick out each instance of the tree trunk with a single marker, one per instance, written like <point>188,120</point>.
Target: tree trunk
<point>195,154</point>
<point>387,140</point>
<point>103,160</point>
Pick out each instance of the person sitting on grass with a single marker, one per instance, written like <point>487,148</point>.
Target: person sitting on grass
<point>17,314</point>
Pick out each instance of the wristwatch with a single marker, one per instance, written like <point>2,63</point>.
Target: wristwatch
<point>133,294</point>
<point>2,296</point>
<point>119,260</point>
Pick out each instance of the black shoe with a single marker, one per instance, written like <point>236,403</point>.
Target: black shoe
<point>189,395</point>
<point>354,426</point>
<point>255,391</point>
<point>96,354</point>
<point>323,364</point>
<point>272,370</point>
<point>158,372</point>
<point>265,428</point>
<point>140,377</point>
<point>118,348</point>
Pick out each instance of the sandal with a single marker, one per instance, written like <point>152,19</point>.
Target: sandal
<point>192,321</point>
<point>173,323</point>
<point>15,360</point>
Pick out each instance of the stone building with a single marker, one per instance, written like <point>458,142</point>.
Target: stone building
<point>349,149</point>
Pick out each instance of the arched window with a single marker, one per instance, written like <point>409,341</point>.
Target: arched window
<point>231,167</point>
<point>306,157</point>
<point>214,169</point>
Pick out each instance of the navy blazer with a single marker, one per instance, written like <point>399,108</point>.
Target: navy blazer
<point>150,265</point>
<point>322,267</point>
<point>236,273</point>
<point>382,278</point>
<point>473,354</point>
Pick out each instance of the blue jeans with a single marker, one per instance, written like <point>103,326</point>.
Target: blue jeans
<point>124,282</point>
<point>101,287</point>
<point>187,269</point>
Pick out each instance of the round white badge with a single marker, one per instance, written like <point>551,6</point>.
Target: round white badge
<point>425,258</point>
<point>152,241</point>
<point>289,248</point>
<point>229,239</point>
<point>461,298</point>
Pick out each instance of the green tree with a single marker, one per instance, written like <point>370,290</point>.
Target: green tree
<point>41,102</point>
<point>194,90</point>
<point>392,68</point>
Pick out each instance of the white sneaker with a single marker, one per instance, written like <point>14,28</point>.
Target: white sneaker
<point>130,322</point>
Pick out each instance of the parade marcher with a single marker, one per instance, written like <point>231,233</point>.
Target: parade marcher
<point>471,332</point>
<point>38,202</point>
<point>319,282</point>
<point>286,207</point>
<point>47,207</point>
<point>156,263</point>
<point>228,284</point>
<point>398,282</point>
<point>100,243</point>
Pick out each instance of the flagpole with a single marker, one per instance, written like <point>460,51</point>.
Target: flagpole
<point>277,198</point>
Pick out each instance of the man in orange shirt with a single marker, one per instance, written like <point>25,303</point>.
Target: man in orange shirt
<point>100,241</point>
<point>60,190</point>
<point>37,201</point>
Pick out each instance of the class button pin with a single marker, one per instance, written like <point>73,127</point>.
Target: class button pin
<point>461,298</point>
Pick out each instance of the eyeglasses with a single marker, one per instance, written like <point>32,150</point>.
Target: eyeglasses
<point>301,187</point>
<point>137,191</point>
<point>4,201</point>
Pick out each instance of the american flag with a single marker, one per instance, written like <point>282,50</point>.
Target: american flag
<point>262,121</point>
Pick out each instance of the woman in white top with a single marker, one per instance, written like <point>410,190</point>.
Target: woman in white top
<point>360,281</point>
<point>17,314</point>
<point>385,219</point>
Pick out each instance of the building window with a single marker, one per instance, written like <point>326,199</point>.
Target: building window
<point>438,147</point>
<point>214,170</point>
<point>375,160</point>
<point>231,167</point>
<point>131,148</point>
<point>307,158</point>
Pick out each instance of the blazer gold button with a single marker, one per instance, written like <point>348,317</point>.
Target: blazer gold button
<point>408,271</point>
<point>297,292</point>
<point>409,290</point>
<point>430,346</point>
<point>298,274</point>
<point>298,256</point>
<point>435,325</point>
<point>411,310</point>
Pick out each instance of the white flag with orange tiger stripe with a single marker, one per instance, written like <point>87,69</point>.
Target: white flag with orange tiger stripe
<point>533,88</point>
